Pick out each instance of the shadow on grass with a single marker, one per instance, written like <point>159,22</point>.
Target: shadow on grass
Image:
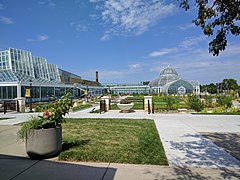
<point>73,143</point>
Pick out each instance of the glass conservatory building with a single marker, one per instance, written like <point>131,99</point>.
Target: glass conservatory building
<point>170,83</point>
<point>19,71</point>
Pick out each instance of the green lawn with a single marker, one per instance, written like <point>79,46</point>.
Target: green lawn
<point>163,105</point>
<point>80,107</point>
<point>112,140</point>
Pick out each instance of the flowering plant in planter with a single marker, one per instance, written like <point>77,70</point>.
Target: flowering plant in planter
<point>43,134</point>
<point>125,101</point>
<point>51,118</point>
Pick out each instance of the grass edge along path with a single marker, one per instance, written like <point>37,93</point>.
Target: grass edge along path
<point>131,141</point>
<point>6,118</point>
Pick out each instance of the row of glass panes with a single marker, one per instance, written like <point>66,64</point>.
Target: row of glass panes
<point>8,92</point>
<point>3,58</point>
<point>13,50</point>
<point>7,76</point>
<point>22,61</point>
<point>40,68</point>
<point>53,72</point>
<point>2,53</point>
<point>42,92</point>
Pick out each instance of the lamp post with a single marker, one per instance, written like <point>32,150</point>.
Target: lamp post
<point>87,93</point>
<point>217,88</point>
<point>30,107</point>
<point>109,90</point>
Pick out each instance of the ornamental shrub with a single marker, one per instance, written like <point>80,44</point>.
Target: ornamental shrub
<point>193,102</point>
<point>224,101</point>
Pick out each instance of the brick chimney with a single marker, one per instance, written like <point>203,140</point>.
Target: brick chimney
<point>96,76</point>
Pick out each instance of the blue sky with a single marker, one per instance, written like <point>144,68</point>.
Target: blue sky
<point>127,41</point>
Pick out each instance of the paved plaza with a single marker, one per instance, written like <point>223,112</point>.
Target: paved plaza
<point>187,140</point>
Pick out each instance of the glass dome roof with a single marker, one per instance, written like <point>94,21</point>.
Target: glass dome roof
<point>168,70</point>
<point>167,75</point>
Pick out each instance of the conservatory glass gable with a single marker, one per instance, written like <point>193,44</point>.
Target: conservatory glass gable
<point>170,83</point>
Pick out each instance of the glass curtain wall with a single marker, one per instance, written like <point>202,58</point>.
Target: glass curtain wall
<point>40,68</point>
<point>21,62</point>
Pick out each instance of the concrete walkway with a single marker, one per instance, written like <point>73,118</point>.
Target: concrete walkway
<point>190,154</point>
<point>186,147</point>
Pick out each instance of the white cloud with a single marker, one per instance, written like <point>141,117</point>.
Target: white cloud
<point>49,3</point>
<point>133,17</point>
<point>162,52</point>
<point>105,37</point>
<point>198,64</point>
<point>41,2</point>
<point>119,75</point>
<point>105,75</point>
<point>79,26</point>
<point>187,26</point>
<point>94,1</point>
<point>39,38</point>
<point>134,66</point>
<point>2,7</point>
<point>6,20</point>
<point>94,16</point>
<point>192,41</point>
<point>42,37</point>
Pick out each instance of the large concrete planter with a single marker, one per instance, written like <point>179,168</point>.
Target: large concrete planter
<point>44,143</point>
<point>125,107</point>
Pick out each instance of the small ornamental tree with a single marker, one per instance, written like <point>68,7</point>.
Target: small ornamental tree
<point>193,102</point>
<point>209,101</point>
<point>224,101</point>
<point>170,102</point>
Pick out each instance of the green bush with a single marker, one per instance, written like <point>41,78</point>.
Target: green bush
<point>170,102</point>
<point>209,101</point>
<point>193,102</point>
<point>224,101</point>
<point>124,101</point>
<point>234,110</point>
<point>220,109</point>
<point>41,108</point>
<point>205,110</point>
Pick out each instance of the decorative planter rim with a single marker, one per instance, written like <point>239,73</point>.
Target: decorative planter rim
<point>125,107</point>
<point>126,104</point>
<point>57,127</point>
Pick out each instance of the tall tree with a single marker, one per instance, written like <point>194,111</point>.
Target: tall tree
<point>217,17</point>
<point>230,84</point>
